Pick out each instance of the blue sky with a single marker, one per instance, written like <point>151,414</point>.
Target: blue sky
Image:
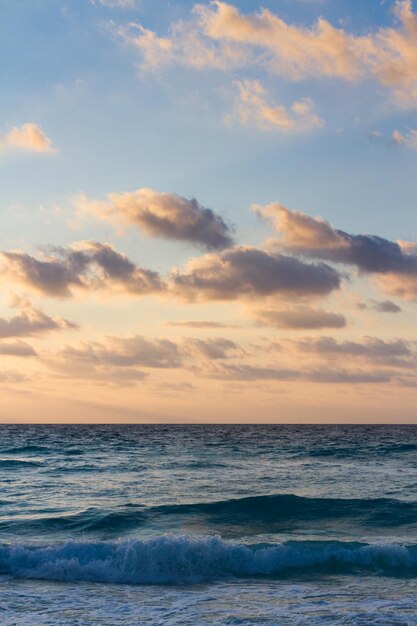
<point>117,129</point>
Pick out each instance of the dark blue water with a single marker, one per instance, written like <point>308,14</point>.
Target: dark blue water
<point>208,525</point>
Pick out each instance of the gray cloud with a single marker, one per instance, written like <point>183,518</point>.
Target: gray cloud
<point>136,351</point>
<point>16,348</point>
<point>164,215</point>
<point>309,236</point>
<point>384,306</point>
<point>122,360</point>
<point>368,346</point>
<point>301,318</point>
<point>345,377</point>
<point>393,353</point>
<point>30,322</point>
<point>250,373</point>
<point>211,349</point>
<point>245,372</point>
<point>395,263</point>
<point>127,352</point>
<point>250,272</point>
<point>87,265</point>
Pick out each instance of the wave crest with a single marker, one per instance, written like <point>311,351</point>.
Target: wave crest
<point>186,560</point>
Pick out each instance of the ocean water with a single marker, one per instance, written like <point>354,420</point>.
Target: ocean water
<point>208,525</point>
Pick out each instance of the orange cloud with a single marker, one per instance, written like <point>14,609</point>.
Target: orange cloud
<point>300,318</point>
<point>293,51</point>
<point>219,36</point>
<point>298,230</point>
<point>408,140</point>
<point>253,106</point>
<point>29,137</point>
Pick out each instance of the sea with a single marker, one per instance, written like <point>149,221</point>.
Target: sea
<point>201,525</point>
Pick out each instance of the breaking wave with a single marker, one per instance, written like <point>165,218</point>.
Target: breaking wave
<point>188,559</point>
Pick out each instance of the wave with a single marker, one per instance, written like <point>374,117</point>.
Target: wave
<point>258,514</point>
<point>291,508</point>
<point>333,452</point>
<point>92,520</point>
<point>31,449</point>
<point>188,560</point>
<point>359,450</point>
<point>401,447</point>
<point>18,464</point>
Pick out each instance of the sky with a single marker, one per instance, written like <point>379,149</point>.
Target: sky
<point>208,211</point>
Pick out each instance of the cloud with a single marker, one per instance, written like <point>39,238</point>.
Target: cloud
<point>29,137</point>
<point>115,361</point>
<point>391,353</point>
<point>252,106</point>
<point>241,272</point>
<point>32,322</point>
<point>394,59</point>
<point>11,377</point>
<point>345,377</point>
<point>301,318</point>
<point>137,351</point>
<point>400,285</point>
<point>245,372</point>
<point>173,389</point>
<point>185,45</point>
<point>408,141</point>
<point>116,4</point>
<point>370,347</point>
<point>246,272</point>
<point>200,324</point>
<point>249,373</point>
<point>299,231</point>
<point>120,361</point>
<point>408,247</point>
<point>223,38</point>
<point>86,265</point>
<point>211,349</point>
<point>395,262</point>
<point>164,215</point>
<point>126,360</point>
<point>289,50</point>
<point>218,36</point>
<point>16,348</point>
<point>134,351</point>
<point>384,306</point>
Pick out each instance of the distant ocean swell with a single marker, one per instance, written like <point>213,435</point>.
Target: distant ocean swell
<point>188,559</point>
<point>265,513</point>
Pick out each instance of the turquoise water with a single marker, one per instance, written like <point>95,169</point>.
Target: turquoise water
<point>208,525</point>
